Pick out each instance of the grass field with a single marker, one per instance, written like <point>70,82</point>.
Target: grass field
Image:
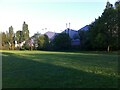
<point>43,69</point>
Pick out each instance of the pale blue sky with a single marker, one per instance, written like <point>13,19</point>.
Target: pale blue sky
<point>49,14</point>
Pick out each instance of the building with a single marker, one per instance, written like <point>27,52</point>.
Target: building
<point>85,28</point>
<point>73,34</point>
<point>51,35</point>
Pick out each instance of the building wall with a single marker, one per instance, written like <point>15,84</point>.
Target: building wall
<point>74,35</point>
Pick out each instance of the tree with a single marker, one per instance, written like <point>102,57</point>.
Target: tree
<point>25,32</point>
<point>46,42</point>
<point>3,39</point>
<point>117,4</point>
<point>43,42</point>
<point>117,7</point>
<point>40,42</point>
<point>108,20</point>
<point>0,40</point>
<point>110,16</point>
<point>84,40</point>
<point>18,37</point>
<point>62,41</point>
<point>103,32</point>
<point>109,5</point>
<point>35,40</point>
<point>11,37</point>
<point>4,42</point>
<point>28,44</point>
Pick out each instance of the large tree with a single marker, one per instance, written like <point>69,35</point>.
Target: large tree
<point>104,32</point>
<point>43,42</point>
<point>19,36</point>
<point>25,31</point>
<point>11,37</point>
<point>117,7</point>
<point>4,41</point>
<point>84,40</point>
<point>62,41</point>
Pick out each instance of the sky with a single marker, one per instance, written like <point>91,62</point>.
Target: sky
<point>50,14</point>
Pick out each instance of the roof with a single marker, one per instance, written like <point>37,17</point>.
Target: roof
<point>50,34</point>
<point>85,28</point>
<point>72,33</point>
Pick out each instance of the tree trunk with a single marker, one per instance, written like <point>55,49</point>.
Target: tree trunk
<point>108,49</point>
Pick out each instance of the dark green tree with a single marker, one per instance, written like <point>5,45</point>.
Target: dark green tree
<point>25,32</point>
<point>19,35</point>
<point>111,25</point>
<point>18,38</point>
<point>103,32</point>
<point>4,42</point>
<point>40,42</point>
<point>117,4</point>
<point>11,37</point>
<point>36,36</point>
<point>109,5</point>
<point>84,40</point>
<point>46,42</point>
<point>62,41</point>
<point>117,7</point>
<point>43,42</point>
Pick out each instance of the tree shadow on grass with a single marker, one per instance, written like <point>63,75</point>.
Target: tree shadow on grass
<point>85,60</point>
<point>20,72</point>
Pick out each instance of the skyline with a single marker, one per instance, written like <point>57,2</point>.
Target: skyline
<point>51,15</point>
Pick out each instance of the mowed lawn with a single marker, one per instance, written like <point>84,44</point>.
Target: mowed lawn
<point>45,69</point>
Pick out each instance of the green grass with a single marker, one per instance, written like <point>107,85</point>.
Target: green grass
<point>43,69</point>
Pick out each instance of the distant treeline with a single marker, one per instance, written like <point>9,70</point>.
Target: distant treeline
<point>10,38</point>
<point>103,34</point>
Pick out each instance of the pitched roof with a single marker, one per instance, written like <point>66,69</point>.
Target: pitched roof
<point>85,28</point>
<point>50,34</point>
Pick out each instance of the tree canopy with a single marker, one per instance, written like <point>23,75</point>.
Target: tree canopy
<point>104,32</point>
<point>62,41</point>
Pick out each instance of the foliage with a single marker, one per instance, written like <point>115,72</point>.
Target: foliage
<point>117,6</point>
<point>26,46</point>
<point>104,31</point>
<point>35,39</point>
<point>84,40</point>
<point>11,38</point>
<point>43,42</point>
<point>4,41</point>
<point>25,31</point>
<point>19,36</point>
<point>4,44</point>
<point>11,34</point>
<point>46,43</point>
<point>62,41</point>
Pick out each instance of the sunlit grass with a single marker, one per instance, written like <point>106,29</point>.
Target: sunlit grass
<point>80,69</point>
